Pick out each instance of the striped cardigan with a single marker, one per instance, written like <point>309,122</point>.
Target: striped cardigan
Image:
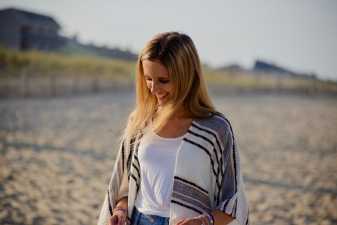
<point>207,174</point>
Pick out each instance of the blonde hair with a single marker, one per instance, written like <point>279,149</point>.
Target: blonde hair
<point>178,54</point>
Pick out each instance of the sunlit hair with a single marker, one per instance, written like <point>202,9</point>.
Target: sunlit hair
<point>178,54</point>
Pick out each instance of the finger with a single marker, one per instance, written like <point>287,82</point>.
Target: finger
<point>199,221</point>
<point>121,220</point>
<point>181,222</point>
<point>113,220</point>
<point>191,221</point>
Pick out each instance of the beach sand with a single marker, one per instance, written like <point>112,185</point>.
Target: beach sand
<point>57,155</point>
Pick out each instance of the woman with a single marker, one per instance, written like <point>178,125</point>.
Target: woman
<point>177,162</point>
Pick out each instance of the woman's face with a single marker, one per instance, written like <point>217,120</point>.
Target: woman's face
<point>158,81</point>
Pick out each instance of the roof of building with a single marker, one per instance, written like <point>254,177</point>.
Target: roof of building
<point>30,16</point>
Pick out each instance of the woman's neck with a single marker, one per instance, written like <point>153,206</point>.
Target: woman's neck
<point>181,113</point>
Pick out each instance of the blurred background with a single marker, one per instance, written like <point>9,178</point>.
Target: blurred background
<point>67,73</point>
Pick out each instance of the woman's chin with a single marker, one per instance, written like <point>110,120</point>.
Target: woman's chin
<point>161,102</point>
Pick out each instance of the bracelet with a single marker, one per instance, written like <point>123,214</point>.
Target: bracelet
<point>210,218</point>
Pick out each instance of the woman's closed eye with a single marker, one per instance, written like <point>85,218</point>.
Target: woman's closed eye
<point>164,81</point>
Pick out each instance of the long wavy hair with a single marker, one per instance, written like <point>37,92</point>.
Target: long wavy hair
<point>177,52</point>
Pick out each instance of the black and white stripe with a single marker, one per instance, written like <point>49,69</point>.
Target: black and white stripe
<point>190,194</point>
<point>212,138</point>
<point>232,150</point>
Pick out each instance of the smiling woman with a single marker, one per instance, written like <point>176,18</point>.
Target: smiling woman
<point>178,163</point>
<point>157,80</point>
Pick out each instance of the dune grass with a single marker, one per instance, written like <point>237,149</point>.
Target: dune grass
<point>35,63</point>
<point>244,81</point>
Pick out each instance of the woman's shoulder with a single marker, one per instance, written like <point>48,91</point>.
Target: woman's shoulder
<point>217,123</point>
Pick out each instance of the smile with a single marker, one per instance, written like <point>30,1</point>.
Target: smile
<point>161,97</point>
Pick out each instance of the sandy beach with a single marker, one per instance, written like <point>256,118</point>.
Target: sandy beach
<point>57,154</point>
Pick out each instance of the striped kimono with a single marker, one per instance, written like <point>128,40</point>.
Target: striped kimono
<point>207,174</point>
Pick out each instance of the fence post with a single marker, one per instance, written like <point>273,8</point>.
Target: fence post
<point>52,83</point>
<point>24,83</point>
<point>95,85</point>
<point>73,84</point>
<point>5,90</point>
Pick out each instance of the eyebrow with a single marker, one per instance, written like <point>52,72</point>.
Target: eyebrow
<point>160,77</point>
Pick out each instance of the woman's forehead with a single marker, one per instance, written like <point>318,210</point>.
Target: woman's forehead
<point>154,68</point>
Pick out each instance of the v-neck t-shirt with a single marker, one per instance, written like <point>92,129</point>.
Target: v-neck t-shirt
<point>157,156</point>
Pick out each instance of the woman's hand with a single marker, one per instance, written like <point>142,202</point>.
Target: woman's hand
<point>199,220</point>
<point>120,213</point>
<point>119,217</point>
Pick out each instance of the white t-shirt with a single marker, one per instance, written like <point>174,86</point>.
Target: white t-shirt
<point>157,156</point>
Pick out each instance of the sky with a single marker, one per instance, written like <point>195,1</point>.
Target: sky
<point>300,35</point>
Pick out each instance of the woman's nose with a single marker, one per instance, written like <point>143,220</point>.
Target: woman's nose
<point>154,87</point>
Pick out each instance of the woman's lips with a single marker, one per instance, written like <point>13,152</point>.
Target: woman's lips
<point>162,97</point>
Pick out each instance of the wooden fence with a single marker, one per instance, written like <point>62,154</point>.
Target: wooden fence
<point>50,86</point>
<point>56,85</point>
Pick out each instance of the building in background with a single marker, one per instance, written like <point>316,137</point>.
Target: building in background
<point>23,30</point>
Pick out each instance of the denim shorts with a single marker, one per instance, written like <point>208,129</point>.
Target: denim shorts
<point>139,218</point>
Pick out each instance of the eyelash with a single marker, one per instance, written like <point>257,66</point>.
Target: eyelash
<point>164,81</point>
<point>161,81</point>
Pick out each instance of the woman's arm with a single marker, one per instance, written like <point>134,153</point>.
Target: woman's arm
<point>116,186</point>
<point>220,218</point>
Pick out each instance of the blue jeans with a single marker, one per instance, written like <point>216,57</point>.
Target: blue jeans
<point>139,218</point>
